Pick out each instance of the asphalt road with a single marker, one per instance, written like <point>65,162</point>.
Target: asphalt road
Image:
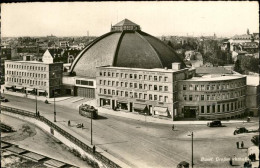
<point>142,144</point>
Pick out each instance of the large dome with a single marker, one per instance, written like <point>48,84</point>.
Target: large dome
<point>125,46</point>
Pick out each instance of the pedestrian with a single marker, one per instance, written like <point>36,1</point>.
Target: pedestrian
<point>38,114</point>
<point>172,126</point>
<point>253,157</point>
<point>230,161</point>
<point>82,126</point>
<point>3,91</point>
<point>237,145</point>
<point>242,144</point>
<point>94,149</point>
<point>69,123</point>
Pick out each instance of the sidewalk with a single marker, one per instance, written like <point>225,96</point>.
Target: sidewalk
<point>76,102</point>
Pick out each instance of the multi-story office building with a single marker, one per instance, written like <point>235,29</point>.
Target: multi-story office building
<point>25,76</point>
<point>212,96</point>
<point>152,91</point>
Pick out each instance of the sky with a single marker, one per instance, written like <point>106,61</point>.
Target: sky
<point>156,18</point>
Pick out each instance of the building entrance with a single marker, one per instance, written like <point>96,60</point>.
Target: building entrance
<point>190,111</point>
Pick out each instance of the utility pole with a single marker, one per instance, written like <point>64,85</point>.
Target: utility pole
<point>191,149</point>
<point>91,126</point>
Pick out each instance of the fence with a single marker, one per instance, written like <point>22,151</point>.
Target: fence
<point>73,139</point>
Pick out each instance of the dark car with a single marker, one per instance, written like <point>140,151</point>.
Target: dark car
<point>215,123</point>
<point>255,140</point>
<point>241,130</point>
<point>3,99</point>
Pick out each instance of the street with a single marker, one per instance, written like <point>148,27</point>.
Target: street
<point>145,144</point>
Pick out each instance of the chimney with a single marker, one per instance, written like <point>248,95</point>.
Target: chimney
<point>176,66</point>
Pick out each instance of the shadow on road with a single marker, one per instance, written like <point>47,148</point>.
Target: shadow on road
<point>101,118</point>
<point>112,143</point>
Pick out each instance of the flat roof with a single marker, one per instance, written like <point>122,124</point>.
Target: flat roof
<point>142,69</point>
<point>33,62</point>
<point>252,80</point>
<point>215,78</point>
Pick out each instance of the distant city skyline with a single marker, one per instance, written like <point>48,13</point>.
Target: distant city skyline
<point>156,18</point>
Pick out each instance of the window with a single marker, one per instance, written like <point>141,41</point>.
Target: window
<point>145,77</point>
<point>140,76</point>
<point>104,82</point>
<point>113,92</point>
<point>160,98</point>
<point>113,74</point>
<point>208,96</point>
<point>197,97</point>
<point>140,86</point>
<point>160,88</point>
<point>117,75</point>
<point>155,78</point>
<point>218,107</point>
<point>227,107</point>
<point>202,87</point>
<point>113,83</point>
<point>213,97</point>
<point>140,95</point>
<point>105,91</point>
<point>213,108</point>
<point>135,85</point>
<point>190,97</point>
<point>196,87</point>
<point>155,97</point>
<point>184,97</point>
<point>126,94</point>
<point>100,73</point>
<point>212,87</point>
<point>165,88</point>
<point>135,95</point>
<point>166,99</point>
<point>155,87</point>
<point>122,93</point>
<point>145,86</point>
<point>208,109</point>
<point>135,76</point>
<point>100,90</point>
<point>145,96</point>
<point>223,108</point>
<point>104,73</point>
<point>150,97</point>
<point>191,87</point>
<point>202,97</point>
<point>150,87</point>
<point>108,73</point>
<point>150,77</point>
<point>235,105</point>
<point>165,79</point>
<point>108,83</point>
<point>131,85</point>
<point>126,75</point>
<point>117,83</point>
<point>122,84</point>
<point>122,75</point>
<point>207,87</point>
<point>160,78</point>
<point>202,109</point>
<point>131,76</point>
<point>184,87</point>
<point>232,106</point>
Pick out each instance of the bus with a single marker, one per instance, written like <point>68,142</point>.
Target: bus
<point>86,110</point>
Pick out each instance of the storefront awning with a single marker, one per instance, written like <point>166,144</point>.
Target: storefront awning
<point>140,106</point>
<point>41,91</point>
<point>8,86</point>
<point>161,109</point>
<point>29,89</point>
<point>121,101</point>
<point>18,87</point>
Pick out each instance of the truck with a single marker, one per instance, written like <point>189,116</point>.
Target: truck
<point>241,130</point>
<point>88,111</point>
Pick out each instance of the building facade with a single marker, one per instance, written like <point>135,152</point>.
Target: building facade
<point>25,76</point>
<point>212,97</point>
<point>150,91</point>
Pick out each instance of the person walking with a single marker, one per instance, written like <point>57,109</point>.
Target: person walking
<point>69,123</point>
<point>242,144</point>
<point>82,125</point>
<point>94,149</point>
<point>237,145</point>
<point>173,127</point>
<point>230,161</point>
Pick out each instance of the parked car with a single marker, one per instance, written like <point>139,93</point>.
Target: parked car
<point>183,164</point>
<point>255,140</point>
<point>215,123</point>
<point>241,130</point>
<point>3,99</point>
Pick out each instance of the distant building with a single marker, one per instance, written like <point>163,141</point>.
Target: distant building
<point>64,44</point>
<point>253,95</point>
<point>25,76</point>
<point>47,57</point>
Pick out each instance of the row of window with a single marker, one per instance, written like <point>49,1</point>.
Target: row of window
<point>225,107</point>
<point>134,76</point>
<point>27,74</point>
<point>27,81</point>
<point>134,95</point>
<point>212,87</point>
<point>28,67</point>
<point>84,82</point>
<point>213,96</point>
<point>134,85</point>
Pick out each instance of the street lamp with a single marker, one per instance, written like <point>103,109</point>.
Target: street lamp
<point>54,106</point>
<point>191,149</point>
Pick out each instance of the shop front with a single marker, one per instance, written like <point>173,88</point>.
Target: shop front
<point>141,108</point>
<point>190,111</point>
<point>161,111</point>
<point>122,105</point>
<point>19,89</point>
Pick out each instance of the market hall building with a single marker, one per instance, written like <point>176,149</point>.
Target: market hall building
<point>128,69</point>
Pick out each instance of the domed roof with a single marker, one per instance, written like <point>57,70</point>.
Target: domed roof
<point>125,46</point>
